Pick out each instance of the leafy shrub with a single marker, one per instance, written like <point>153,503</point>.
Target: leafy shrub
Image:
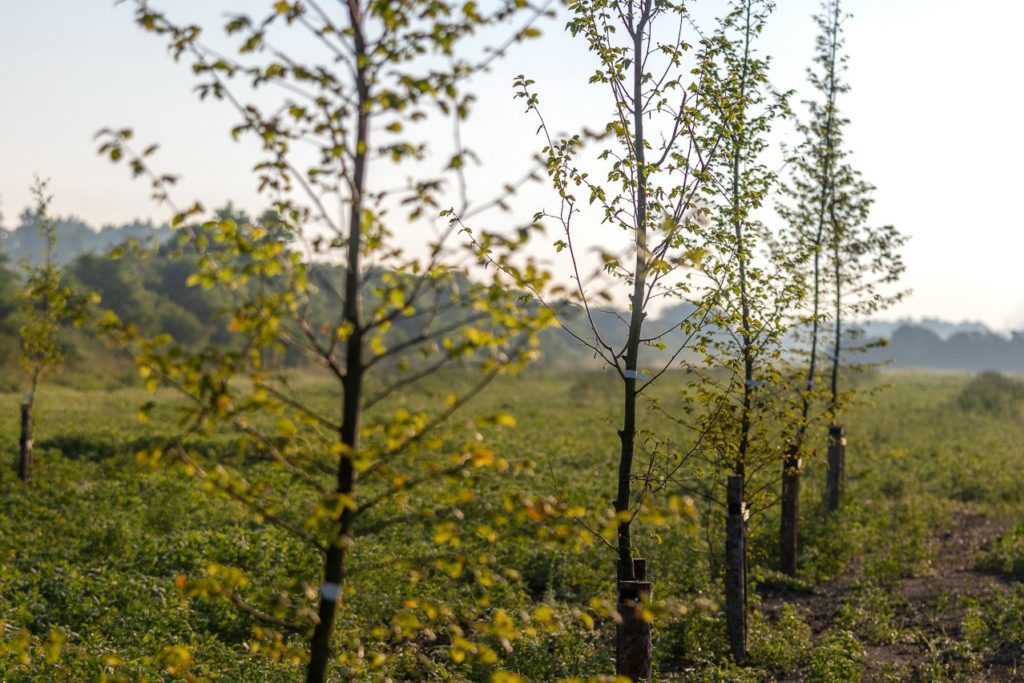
<point>830,541</point>
<point>871,614</point>
<point>839,658</point>
<point>781,646</point>
<point>994,627</point>
<point>991,393</point>
<point>1007,557</point>
<point>696,638</point>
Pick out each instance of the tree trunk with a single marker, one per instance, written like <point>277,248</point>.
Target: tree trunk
<point>627,435</point>
<point>790,523</point>
<point>633,632</point>
<point>330,595</point>
<point>735,530</point>
<point>836,467</point>
<point>736,570</point>
<point>352,385</point>
<point>25,444</point>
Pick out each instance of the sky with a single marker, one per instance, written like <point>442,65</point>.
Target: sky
<point>933,106</point>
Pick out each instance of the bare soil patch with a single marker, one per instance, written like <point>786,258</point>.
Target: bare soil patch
<point>928,609</point>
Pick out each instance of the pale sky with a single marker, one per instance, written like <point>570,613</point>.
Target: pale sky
<point>934,105</point>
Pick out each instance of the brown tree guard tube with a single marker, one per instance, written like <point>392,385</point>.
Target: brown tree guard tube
<point>790,524</point>
<point>735,570</point>
<point>25,444</point>
<point>633,632</point>
<point>836,467</point>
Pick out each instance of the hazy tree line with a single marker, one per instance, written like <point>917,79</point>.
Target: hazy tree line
<point>919,346</point>
<point>23,241</point>
<point>153,293</point>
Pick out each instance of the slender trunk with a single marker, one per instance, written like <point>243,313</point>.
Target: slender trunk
<point>627,435</point>
<point>633,635</point>
<point>836,231</point>
<point>837,435</point>
<point>790,521</point>
<point>736,550</point>
<point>836,467</point>
<point>25,444</point>
<point>735,569</point>
<point>837,347</point>
<point>738,217</point>
<point>633,632</point>
<point>352,388</point>
<point>627,438</point>
<point>789,526</point>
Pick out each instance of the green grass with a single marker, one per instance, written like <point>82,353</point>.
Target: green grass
<point>91,551</point>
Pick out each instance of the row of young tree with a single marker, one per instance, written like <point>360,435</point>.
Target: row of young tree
<point>687,179</point>
<point>678,177</point>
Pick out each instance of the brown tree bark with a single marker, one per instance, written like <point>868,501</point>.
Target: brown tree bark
<point>633,633</point>
<point>25,444</point>
<point>836,467</point>
<point>736,570</point>
<point>790,525</point>
<point>352,388</point>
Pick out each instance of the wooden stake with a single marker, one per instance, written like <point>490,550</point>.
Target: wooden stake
<point>789,531</point>
<point>836,467</point>
<point>25,444</point>
<point>736,570</point>
<point>633,632</point>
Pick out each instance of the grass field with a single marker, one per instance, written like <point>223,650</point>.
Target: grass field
<point>914,579</point>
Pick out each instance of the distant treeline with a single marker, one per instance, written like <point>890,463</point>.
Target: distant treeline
<point>155,295</point>
<point>918,346</point>
<point>75,238</point>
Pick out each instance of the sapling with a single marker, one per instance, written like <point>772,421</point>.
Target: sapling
<point>386,287</point>
<point>40,310</point>
<point>641,176</point>
<point>745,396</point>
<point>850,264</point>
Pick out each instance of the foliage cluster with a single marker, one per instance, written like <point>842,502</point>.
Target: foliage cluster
<point>992,393</point>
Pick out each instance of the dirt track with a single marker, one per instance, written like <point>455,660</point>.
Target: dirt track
<point>928,609</point>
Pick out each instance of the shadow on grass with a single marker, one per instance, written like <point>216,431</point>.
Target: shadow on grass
<point>97,448</point>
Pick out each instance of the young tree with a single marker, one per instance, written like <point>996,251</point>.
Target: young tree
<point>864,262</point>
<point>850,262</point>
<point>40,308</point>
<point>745,394</point>
<point>654,167</point>
<point>8,287</point>
<point>398,313</point>
<point>813,169</point>
<point>8,295</point>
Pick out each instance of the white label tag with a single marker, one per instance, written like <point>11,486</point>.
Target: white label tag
<point>330,592</point>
